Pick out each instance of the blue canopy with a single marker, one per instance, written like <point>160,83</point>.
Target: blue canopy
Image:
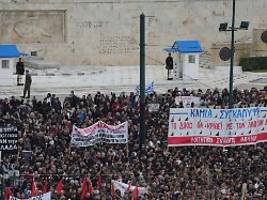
<point>185,46</point>
<point>9,51</point>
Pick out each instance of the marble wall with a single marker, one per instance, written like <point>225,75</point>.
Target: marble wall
<point>106,32</point>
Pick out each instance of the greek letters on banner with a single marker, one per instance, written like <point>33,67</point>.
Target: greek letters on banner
<point>217,127</point>
<point>46,196</point>
<point>8,139</point>
<point>99,132</point>
<point>187,100</point>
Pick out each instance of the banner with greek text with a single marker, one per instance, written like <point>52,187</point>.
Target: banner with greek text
<point>99,132</point>
<point>217,127</point>
<point>46,196</point>
<point>8,139</point>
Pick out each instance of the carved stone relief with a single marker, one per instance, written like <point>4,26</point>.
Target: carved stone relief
<point>32,26</point>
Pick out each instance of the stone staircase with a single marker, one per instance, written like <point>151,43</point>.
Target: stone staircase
<point>205,60</point>
<point>224,82</point>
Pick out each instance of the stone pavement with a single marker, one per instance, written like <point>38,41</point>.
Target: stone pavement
<point>106,79</point>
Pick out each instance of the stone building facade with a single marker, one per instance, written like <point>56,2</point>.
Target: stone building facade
<point>106,32</point>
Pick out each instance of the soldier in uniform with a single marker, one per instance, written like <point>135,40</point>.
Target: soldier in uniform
<point>169,65</point>
<point>19,71</point>
<point>27,86</point>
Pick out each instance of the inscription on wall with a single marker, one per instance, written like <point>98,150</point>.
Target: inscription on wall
<point>118,44</point>
<point>32,26</point>
<point>92,24</point>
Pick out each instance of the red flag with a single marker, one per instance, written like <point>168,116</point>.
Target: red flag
<point>129,186</point>
<point>7,193</point>
<point>99,182</point>
<point>59,187</point>
<point>135,193</point>
<point>84,189</point>
<point>34,191</point>
<point>112,190</point>
<point>45,186</point>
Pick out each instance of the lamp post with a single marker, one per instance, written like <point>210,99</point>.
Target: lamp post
<point>142,133</point>
<point>223,27</point>
<point>231,78</point>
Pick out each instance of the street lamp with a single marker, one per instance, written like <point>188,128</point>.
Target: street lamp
<point>243,26</point>
<point>224,27</point>
<point>142,133</point>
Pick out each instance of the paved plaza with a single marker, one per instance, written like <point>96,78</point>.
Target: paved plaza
<point>106,79</point>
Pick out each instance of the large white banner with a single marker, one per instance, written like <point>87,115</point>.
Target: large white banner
<point>99,132</point>
<point>45,196</point>
<point>217,127</point>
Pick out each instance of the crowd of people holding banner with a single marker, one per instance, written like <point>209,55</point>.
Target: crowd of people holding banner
<point>49,164</point>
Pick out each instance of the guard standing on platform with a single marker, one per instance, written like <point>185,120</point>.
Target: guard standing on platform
<point>19,71</point>
<point>27,86</point>
<point>169,65</point>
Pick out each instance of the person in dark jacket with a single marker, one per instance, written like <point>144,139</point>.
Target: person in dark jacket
<point>27,86</point>
<point>74,100</point>
<point>169,65</point>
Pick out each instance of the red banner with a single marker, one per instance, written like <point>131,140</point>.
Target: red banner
<point>217,141</point>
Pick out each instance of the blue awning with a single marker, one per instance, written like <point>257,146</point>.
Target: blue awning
<point>9,51</point>
<point>185,46</point>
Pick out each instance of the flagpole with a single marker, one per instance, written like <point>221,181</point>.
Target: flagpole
<point>127,150</point>
<point>1,180</point>
<point>127,153</point>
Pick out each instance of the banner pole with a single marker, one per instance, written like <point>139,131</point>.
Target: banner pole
<point>127,150</point>
<point>127,154</point>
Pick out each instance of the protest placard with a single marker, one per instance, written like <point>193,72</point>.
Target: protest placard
<point>187,100</point>
<point>153,107</point>
<point>8,139</point>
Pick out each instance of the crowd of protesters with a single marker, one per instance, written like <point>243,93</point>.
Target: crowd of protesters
<point>187,173</point>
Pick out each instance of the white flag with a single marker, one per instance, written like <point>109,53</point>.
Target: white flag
<point>122,187</point>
